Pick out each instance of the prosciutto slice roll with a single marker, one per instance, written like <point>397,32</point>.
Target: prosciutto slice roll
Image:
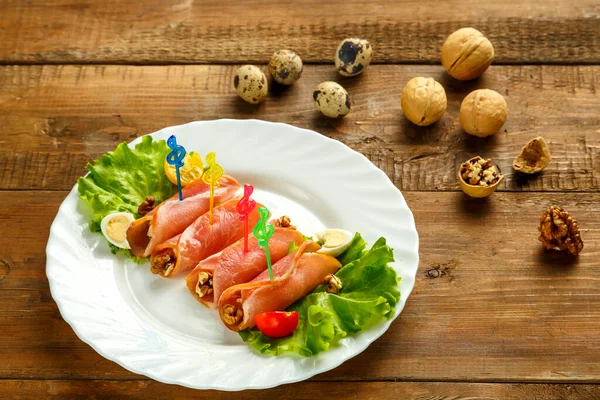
<point>232,266</point>
<point>172,216</point>
<point>201,239</point>
<point>294,277</point>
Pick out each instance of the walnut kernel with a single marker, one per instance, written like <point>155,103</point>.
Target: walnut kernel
<point>334,284</point>
<point>559,231</point>
<point>283,222</point>
<point>147,205</point>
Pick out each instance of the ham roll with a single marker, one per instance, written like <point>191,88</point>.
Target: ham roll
<point>201,239</point>
<point>172,216</point>
<point>232,266</point>
<point>294,277</point>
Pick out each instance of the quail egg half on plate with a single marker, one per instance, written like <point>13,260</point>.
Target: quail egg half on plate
<point>114,228</point>
<point>334,241</point>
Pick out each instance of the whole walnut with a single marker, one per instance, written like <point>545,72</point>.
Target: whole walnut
<point>423,101</point>
<point>466,54</point>
<point>483,112</point>
<point>559,231</point>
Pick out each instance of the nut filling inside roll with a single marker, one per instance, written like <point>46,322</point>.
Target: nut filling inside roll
<point>294,276</point>
<point>164,262</point>
<point>205,284</point>
<point>232,313</point>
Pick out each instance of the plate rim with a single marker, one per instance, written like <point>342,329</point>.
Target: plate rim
<point>53,237</point>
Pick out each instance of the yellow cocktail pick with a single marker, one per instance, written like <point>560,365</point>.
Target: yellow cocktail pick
<point>211,177</point>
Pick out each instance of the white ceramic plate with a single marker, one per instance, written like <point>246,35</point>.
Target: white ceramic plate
<point>153,326</point>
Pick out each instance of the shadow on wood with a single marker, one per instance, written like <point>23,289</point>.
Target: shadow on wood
<point>555,262</point>
<point>476,209</point>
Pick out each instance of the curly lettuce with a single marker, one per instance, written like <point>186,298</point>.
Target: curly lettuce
<point>121,179</point>
<point>369,295</point>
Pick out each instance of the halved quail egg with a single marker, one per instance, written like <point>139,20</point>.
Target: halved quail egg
<point>335,241</point>
<point>114,228</point>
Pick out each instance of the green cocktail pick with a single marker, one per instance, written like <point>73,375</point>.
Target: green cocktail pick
<point>263,232</point>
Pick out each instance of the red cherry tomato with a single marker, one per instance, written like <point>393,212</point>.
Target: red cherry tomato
<point>277,324</point>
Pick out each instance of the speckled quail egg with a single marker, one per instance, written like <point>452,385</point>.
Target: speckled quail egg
<point>251,84</point>
<point>334,241</point>
<point>331,99</point>
<point>114,228</point>
<point>285,67</point>
<point>353,56</point>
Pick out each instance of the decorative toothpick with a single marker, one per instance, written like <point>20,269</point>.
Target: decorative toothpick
<point>175,158</point>
<point>245,207</point>
<point>263,232</point>
<point>211,177</point>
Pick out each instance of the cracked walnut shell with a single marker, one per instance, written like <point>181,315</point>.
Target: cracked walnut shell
<point>559,231</point>
<point>466,54</point>
<point>479,177</point>
<point>534,157</point>
<point>423,101</point>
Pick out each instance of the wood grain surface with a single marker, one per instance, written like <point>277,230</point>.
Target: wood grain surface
<point>488,304</point>
<point>199,32</point>
<point>54,119</point>
<point>110,389</point>
<point>492,316</point>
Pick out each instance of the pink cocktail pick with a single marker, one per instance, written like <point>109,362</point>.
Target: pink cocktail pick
<point>245,207</point>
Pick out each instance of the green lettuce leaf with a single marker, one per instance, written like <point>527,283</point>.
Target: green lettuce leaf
<point>369,295</point>
<point>292,248</point>
<point>354,251</point>
<point>121,179</point>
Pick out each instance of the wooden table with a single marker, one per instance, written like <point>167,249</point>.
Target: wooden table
<point>491,313</point>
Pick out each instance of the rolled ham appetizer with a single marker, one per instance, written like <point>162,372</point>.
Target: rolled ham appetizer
<point>172,216</point>
<point>201,239</point>
<point>294,277</point>
<point>232,266</point>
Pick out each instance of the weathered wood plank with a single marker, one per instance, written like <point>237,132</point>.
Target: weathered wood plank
<point>53,119</point>
<point>181,31</point>
<point>488,305</point>
<point>109,389</point>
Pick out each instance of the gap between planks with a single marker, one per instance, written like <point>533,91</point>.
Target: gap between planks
<point>217,63</point>
<point>315,379</point>
<point>530,192</point>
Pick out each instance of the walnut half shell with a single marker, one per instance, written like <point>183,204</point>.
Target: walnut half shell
<point>559,231</point>
<point>479,177</point>
<point>534,157</point>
